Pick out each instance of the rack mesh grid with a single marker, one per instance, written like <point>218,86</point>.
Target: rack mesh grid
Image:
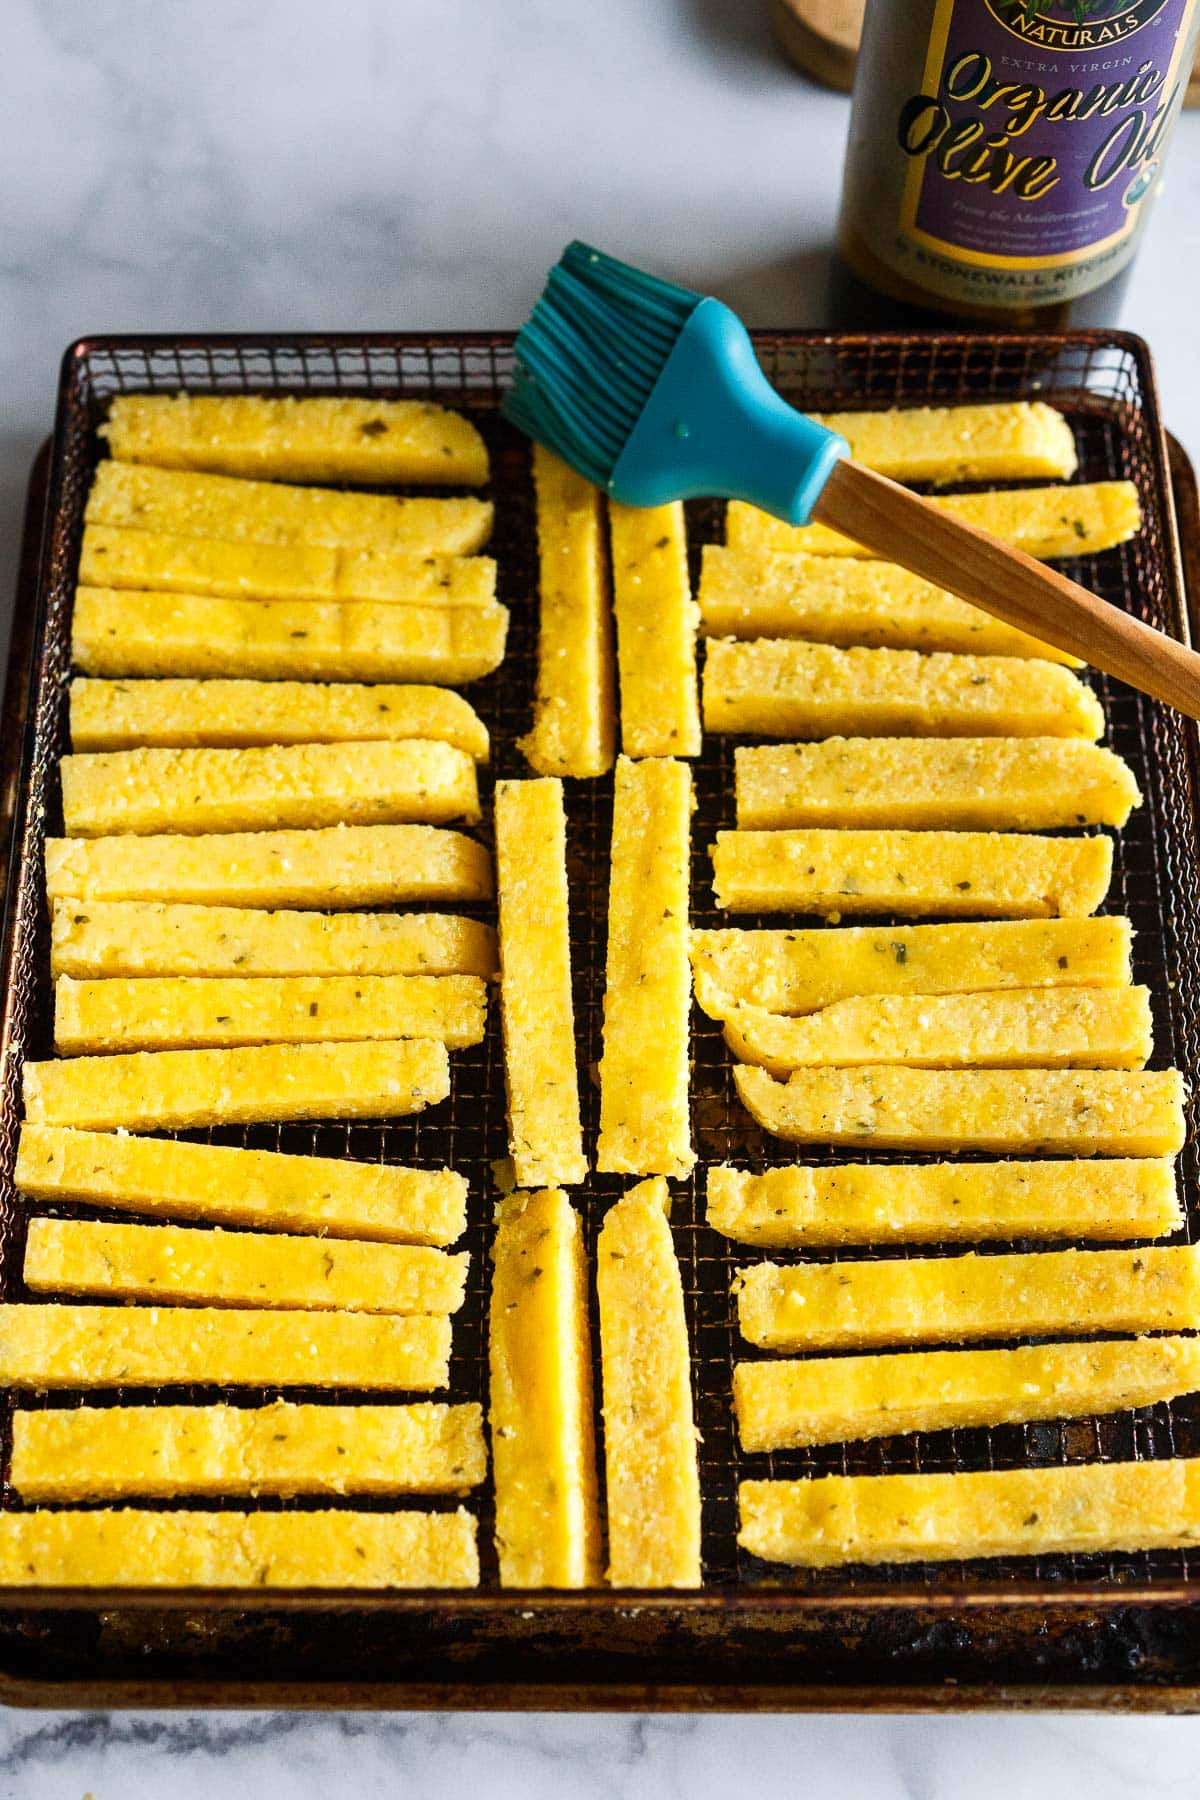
<point>1102,382</point>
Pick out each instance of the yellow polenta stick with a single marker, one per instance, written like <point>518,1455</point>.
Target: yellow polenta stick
<point>545,1137</point>
<point>540,1413</point>
<point>926,1203</point>
<point>143,937</point>
<point>292,438</point>
<point>292,785</point>
<point>833,1400</point>
<point>1042,521</point>
<point>89,1346</point>
<point>158,562</point>
<point>119,633</point>
<point>1048,1028</point>
<point>340,866</point>
<point>952,874</point>
<point>656,630</point>
<point>106,1453</point>
<point>645,1120</point>
<point>182,714</point>
<point>927,1300</point>
<point>800,971</point>
<point>1066,1112</point>
<point>240,1268</point>
<point>573,725</point>
<point>267,512</point>
<point>776,687</point>
<point>1085,1508</point>
<point>195,1012</point>
<point>1014,440</point>
<point>128,1548</point>
<point>173,1090</point>
<point>983,784</point>
<point>847,600</point>
<point>260,1188</point>
<point>653,1485</point>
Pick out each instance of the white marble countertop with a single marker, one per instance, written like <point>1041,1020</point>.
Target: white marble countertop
<point>514,1756</point>
<point>206,164</point>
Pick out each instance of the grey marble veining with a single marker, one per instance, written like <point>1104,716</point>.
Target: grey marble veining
<point>211,164</point>
<point>197,1756</point>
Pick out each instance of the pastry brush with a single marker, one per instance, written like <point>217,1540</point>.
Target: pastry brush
<point>654,393</point>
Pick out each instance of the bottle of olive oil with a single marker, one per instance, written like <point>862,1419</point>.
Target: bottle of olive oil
<point>1004,155</point>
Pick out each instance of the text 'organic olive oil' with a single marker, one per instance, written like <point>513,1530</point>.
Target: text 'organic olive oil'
<point>1004,154</point>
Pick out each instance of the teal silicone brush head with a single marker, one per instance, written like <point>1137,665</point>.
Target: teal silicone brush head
<point>590,354</point>
<point>654,393</point>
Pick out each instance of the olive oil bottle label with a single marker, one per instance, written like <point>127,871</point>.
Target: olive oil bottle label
<point>1003,152</point>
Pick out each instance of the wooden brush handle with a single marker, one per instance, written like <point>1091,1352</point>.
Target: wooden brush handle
<point>976,566</point>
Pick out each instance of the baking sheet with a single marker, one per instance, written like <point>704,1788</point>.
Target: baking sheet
<point>1103,381</point>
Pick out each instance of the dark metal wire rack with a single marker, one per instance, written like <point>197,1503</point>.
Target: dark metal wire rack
<point>1103,381</point>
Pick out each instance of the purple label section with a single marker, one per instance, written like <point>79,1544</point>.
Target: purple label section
<point>1048,121</point>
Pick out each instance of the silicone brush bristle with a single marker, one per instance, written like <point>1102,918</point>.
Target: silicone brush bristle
<point>590,354</point>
